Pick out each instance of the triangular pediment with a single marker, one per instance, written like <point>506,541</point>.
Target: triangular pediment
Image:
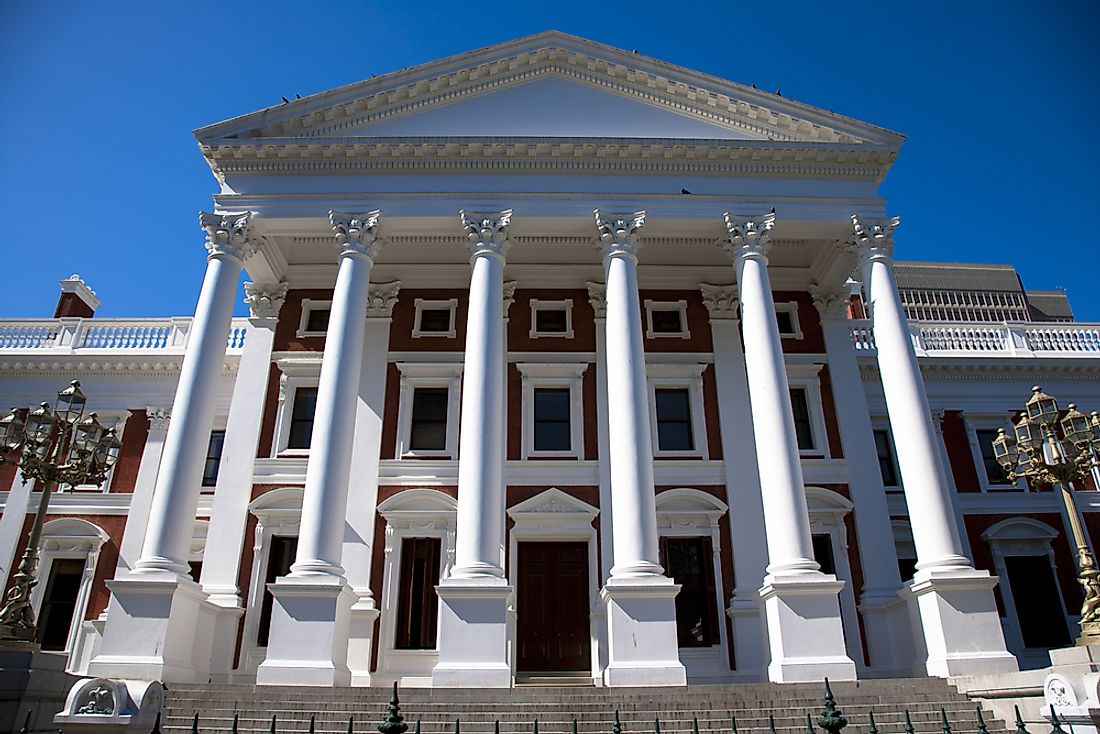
<point>547,86</point>
<point>552,501</point>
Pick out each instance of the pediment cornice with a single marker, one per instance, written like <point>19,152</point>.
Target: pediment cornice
<point>410,91</point>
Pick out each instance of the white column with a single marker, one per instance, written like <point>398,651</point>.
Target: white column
<point>159,623</point>
<point>229,514</point>
<point>885,619</point>
<point>641,610</point>
<point>137,516</point>
<point>805,632</point>
<point>742,483</point>
<point>952,602</point>
<point>11,523</point>
<point>363,490</point>
<point>311,614</point>
<point>473,625</point>
<point>597,298</point>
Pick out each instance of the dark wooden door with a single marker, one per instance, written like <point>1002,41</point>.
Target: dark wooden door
<point>552,614</point>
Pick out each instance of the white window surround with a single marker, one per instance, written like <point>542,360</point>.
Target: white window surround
<point>790,307</point>
<point>277,512</point>
<point>68,538</point>
<point>556,515</point>
<point>975,422</point>
<point>882,423</point>
<point>108,419</point>
<point>421,304</point>
<point>1023,536</point>
<point>807,376</point>
<point>428,374</point>
<point>220,422</point>
<point>680,306</point>
<point>556,375</point>
<point>827,511</point>
<point>411,513</point>
<point>308,305</point>
<point>565,305</point>
<point>297,371</point>
<point>683,512</point>
<point>683,376</point>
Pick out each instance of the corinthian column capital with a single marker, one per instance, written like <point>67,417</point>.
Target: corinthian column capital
<point>158,418</point>
<point>873,238</point>
<point>619,233</point>
<point>830,302</point>
<point>381,298</point>
<point>748,235</point>
<point>265,300</point>
<point>357,234</point>
<point>489,234</point>
<point>597,298</point>
<point>229,235</point>
<point>721,300</point>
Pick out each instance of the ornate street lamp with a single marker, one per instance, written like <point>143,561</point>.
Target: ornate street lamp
<point>52,447</point>
<point>1059,451</point>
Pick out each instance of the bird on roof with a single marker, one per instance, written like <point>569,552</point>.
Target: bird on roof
<point>297,96</point>
<point>684,191</point>
<point>779,92</point>
<point>286,101</point>
<point>754,85</point>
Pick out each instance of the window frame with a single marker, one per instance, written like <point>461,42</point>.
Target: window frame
<point>679,376</point>
<point>221,456</point>
<point>297,371</point>
<point>808,377</point>
<point>309,305</point>
<point>883,426</point>
<point>543,305</point>
<point>680,306</point>
<point>425,304</point>
<point>975,422</point>
<point>431,375</point>
<point>553,376</point>
<point>790,307</point>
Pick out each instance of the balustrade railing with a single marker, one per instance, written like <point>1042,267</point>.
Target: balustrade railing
<point>1001,340</point>
<point>90,336</point>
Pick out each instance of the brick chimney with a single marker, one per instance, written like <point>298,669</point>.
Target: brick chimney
<point>77,299</point>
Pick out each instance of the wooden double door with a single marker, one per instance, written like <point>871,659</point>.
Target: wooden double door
<point>552,612</point>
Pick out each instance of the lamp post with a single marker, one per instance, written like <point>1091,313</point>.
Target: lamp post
<point>54,446</point>
<point>1059,451</point>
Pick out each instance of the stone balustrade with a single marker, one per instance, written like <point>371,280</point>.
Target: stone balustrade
<point>936,339</point>
<point>90,336</point>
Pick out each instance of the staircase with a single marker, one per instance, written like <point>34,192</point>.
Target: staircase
<point>435,710</point>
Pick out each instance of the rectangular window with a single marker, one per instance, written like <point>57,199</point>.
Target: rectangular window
<point>689,561</point>
<point>666,321</point>
<point>551,321</point>
<point>823,552</point>
<point>428,431</point>
<point>673,420</point>
<point>552,420</point>
<point>213,458</point>
<point>301,418</point>
<point>884,446</point>
<point>279,559</point>
<point>435,320</point>
<point>317,319</point>
<point>417,605</point>
<point>785,321</point>
<point>993,471</point>
<point>59,603</point>
<point>803,427</point>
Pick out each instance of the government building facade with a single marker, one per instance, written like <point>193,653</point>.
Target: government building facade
<point>562,362</point>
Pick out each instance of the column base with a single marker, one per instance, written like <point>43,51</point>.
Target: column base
<point>310,622</point>
<point>749,636</point>
<point>641,632</point>
<point>886,629</point>
<point>360,637</point>
<point>805,631</point>
<point>473,634</point>
<point>956,623</point>
<point>159,627</point>
<point>227,618</point>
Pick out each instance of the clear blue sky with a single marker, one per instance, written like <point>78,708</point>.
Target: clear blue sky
<point>99,172</point>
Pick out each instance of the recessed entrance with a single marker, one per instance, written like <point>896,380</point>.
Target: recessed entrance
<point>552,614</point>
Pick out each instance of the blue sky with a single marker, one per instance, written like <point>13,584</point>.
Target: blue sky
<point>99,172</point>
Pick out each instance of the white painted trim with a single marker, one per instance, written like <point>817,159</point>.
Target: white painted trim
<point>537,305</point>
<point>296,371</point>
<point>680,306</point>
<point>69,538</point>
<point>423,303</point>
<point>975,422</point>
<point>308,305</point>
<point>808,377</point>
<point>681,376</point>
<point>790,307</point>
<point>414,375</point>
<point>536,375</point>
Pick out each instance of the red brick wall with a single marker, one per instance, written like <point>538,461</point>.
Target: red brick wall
<point>698,322</point>
<point>72,305</point>
<point>958,452</point>
<point>124,477</point>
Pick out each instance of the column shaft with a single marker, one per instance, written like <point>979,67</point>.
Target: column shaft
<point>176,496</point>
<point>930,509</point>
<point>630,441</point>
<point>137,517</point>
<point>325,501</point>
<point>479,542</point>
